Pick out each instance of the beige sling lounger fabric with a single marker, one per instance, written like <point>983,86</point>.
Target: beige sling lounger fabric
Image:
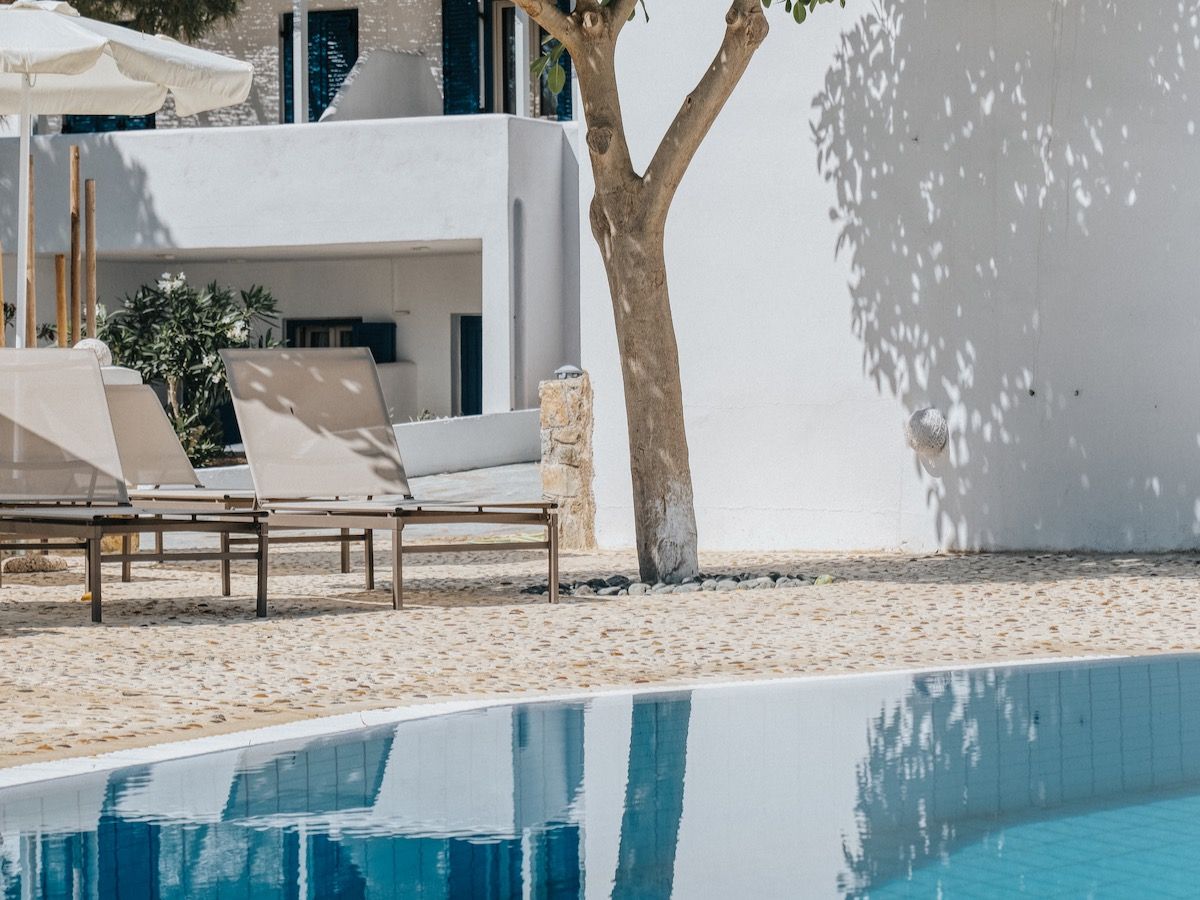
<point>323,453</point>
<point>56,438</point>
<point>149,449</point>
<point>151,455</point>
<point>314,424</point>
<point>61,475</point>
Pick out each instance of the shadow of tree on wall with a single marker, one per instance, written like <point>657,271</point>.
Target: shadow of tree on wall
<point>964,755</point>
<point>1010,180</point>
<point>124,206</point>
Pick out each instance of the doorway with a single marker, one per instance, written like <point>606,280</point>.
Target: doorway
<point>470,365</point>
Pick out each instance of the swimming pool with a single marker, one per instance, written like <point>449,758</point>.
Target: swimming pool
<point>1072,780</point>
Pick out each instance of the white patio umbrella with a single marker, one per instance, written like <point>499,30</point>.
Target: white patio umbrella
<point>53,62</point>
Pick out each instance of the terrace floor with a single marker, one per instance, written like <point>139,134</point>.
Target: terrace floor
<point>174,660</point>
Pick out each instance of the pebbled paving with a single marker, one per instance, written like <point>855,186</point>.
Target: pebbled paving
<point>176,660</point>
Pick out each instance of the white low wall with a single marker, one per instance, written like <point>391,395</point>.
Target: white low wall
<point>470,442</point>
<point>439,446</point>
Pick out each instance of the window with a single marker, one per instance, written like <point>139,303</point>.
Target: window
<point>479,60</point>
<point>332,53</point>
<point>321,333</point>
<point>96,124</point>
<point>503,56</point>
<point>378,337</point>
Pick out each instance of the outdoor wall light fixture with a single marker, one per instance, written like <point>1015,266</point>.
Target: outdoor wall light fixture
<point>926,432</point>
<point>565,372</point>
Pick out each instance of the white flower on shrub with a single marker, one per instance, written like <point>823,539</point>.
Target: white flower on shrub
<point>238,331</point>
<point>169,282</point>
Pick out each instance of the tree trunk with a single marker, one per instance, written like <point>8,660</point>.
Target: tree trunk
<point>628,217</point>
<point>664,515</point>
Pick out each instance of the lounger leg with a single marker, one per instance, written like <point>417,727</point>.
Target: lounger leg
<point>226,585</point>
<point>345,544</point>
<point>263,547</point>
<point>369,554</point>
<point>552,539</point>
<point>126,564</point>
<point>398,567</point>
<point>93,574</point>
<point>158,540</point>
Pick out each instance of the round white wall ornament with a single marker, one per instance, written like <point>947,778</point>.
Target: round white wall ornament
<point>98,347</point>
<point>926,431</point>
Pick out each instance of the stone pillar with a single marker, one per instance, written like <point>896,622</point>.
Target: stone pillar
<point>567,458</point>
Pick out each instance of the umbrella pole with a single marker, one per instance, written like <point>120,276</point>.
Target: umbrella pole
<point>76,332</point>
<point>23,168</point>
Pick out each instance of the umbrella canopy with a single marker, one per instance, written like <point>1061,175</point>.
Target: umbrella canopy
<point>54,61</point>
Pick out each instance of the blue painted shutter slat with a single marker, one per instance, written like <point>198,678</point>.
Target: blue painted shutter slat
<point>460,57</point>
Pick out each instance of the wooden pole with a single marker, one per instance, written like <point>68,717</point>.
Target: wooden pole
<point>76,252</point>
<point>60,298</point>
<point>89,213</point>
<point>31,281</point>
<point>3,323</point>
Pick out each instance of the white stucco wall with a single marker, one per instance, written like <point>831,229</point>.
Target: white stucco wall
<point>1008,186</point>
<point>336,190</point>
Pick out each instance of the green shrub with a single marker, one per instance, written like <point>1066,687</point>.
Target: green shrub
<point>172,332</point>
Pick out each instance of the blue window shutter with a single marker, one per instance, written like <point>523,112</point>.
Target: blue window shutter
<point>564,99</point>
<point>332,53</point>
<point>460,57</point>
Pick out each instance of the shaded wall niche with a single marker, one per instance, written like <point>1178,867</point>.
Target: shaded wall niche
<point>1011,185</point>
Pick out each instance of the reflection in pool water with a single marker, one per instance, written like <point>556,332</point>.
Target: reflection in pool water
<point>1080,779</point>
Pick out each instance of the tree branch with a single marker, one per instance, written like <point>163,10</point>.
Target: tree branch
<point>560,24</point>
<point>620,12</point>
<point>605,136</point>
<point>746,28</point>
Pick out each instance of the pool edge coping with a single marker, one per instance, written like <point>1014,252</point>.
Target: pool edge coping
<point>324,726</point>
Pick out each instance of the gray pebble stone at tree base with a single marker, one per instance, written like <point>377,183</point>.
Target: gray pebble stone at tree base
<point>620,585</point>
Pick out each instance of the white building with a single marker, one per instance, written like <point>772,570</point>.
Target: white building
<point>447,236</point>
<point>985,210</point>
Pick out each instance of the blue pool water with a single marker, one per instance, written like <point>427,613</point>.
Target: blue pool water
<point>1078,780</point>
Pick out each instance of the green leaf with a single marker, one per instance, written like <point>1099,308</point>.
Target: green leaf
<point>557,79</point>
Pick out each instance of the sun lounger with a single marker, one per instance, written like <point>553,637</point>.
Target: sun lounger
<point>158,472</point>
<point>323,454</point>
<point>61,479</point>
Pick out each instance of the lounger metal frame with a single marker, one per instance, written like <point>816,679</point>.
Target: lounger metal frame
<point>394,519</point>
<point>345,488</point>
<point>67,527</point>
<point>64,487</point>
